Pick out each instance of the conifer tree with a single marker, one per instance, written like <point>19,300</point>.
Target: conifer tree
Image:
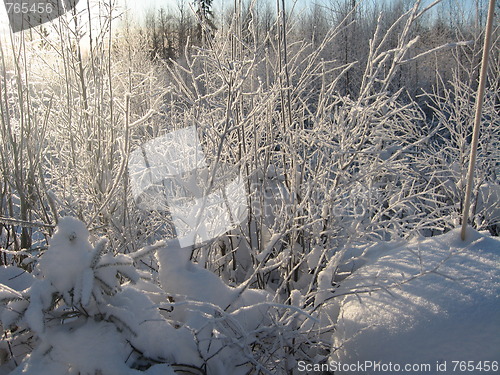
<point>206,25</point>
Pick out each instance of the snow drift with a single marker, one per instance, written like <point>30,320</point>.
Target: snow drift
<point>430,301</point>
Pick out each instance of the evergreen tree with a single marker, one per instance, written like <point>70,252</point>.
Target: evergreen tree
<point>206,25</point>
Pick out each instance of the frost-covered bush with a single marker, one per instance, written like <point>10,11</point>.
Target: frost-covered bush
<point>85,312</point>
<point>324,172</point>
<point>447,155</point>
<point>90,311</point>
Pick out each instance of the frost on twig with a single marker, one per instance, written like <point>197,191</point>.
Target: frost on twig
<point>81,306</point>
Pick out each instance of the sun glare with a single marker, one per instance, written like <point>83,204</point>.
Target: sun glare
<point>4,20</point>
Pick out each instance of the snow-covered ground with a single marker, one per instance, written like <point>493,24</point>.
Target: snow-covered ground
<point>433,302</point>
<point>426,306</point>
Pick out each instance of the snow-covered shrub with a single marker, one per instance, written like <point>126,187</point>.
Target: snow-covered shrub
<point>446,158</point>
<point>89,311</point>
<point>324,173</point>
<point>84,314</point>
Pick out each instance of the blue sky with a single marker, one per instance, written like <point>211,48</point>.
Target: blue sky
<point>144,4</point>
<point>139,7</point>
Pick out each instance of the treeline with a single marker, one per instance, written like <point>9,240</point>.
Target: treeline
<point>167,32</point>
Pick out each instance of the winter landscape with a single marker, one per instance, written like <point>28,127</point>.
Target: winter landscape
<point>248,187</point>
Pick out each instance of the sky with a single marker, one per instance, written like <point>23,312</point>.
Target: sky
<point>139,8</point>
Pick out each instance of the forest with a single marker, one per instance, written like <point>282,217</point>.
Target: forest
<point>193,190</point>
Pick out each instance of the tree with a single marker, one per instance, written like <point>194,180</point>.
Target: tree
<point>206,25</point>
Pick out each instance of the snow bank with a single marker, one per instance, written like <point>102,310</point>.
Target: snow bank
<point>434,301</point>
<point>15,278</point>
<point>13,281</point>
<point>181,277</point>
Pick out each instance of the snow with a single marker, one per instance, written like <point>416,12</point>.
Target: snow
<point>15,278</point>
<point>68,255</point>
<point>488,202</point>
<point>147,328</point>
<point>40,300</point>
<point>162,369</point>
<point>423,301</point>
<point>181,277</point>
<point>432,301</point>
<point>91,347</point>
<point>100,324</point>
